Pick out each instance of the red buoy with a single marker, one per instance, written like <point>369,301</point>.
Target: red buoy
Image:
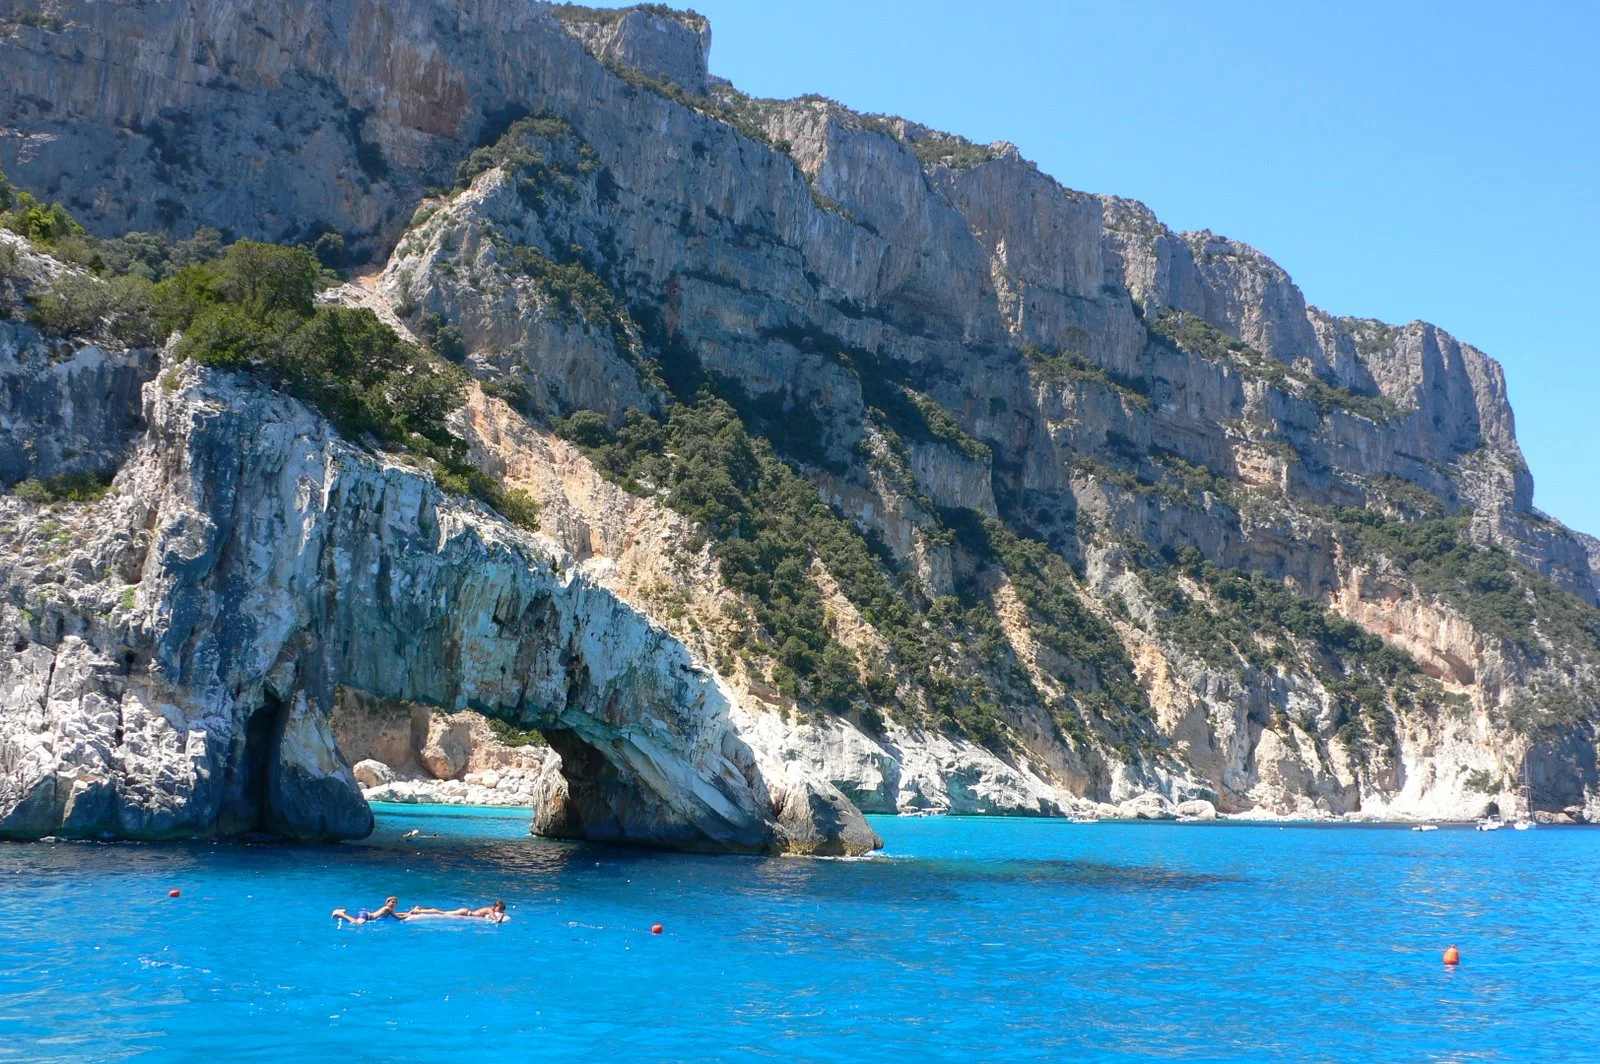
<point>1452,956</point>
<point>655,929</point>
<point>173,893</point>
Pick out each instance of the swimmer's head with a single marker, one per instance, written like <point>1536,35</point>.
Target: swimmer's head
<point>391,900</point>
<point>499,906</point>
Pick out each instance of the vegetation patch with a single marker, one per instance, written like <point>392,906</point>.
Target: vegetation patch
<point>1071,368</point>
<point>573,292</point>
<point>67,487</point>
<point>511,735</point>
<point>1371,335</point>
<point>517,152</point>
<point>745,114</point>
<point>1058,618</point>
<point>914,414</point>
<point>24,214</point>
<point>48,21</point>
<point>930,146</point>
<point>766,527</point>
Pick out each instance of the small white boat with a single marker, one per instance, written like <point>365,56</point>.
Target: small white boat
<point>1491,823</point>
<point>1524,825</point>
<point>1426,827</point>
<point>1083,819</point>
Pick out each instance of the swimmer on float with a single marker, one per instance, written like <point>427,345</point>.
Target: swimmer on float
<point>365,916</point>
<point>495,914</point>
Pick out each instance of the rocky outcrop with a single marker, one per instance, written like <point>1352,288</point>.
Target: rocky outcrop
<point>670,45</point>
<point>73,416</point>
<point>176,675</point>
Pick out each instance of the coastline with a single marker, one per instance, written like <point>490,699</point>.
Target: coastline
<point>417,795</point>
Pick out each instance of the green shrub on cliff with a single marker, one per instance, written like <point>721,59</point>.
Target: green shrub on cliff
<point>770,531</point>
<point>66,487</point>
<point>574,292</point>
<point>511,735</point>
<point>1096,667</point>
<point>148,256</point>
<point>253,309</point>
<point>42,223</point>
<point>1229,619</point>
<point>120,309</point>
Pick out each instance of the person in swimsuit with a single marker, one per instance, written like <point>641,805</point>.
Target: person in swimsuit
<point>495,914</point>
<point>364,916</point>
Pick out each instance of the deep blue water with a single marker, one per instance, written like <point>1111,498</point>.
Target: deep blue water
<point>968,940</point>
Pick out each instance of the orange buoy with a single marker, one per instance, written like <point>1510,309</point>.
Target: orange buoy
<point>1452,956</point>
<point>173,893</point>
<point>655,929</point>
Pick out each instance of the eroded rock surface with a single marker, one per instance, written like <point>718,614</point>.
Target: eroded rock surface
<point>247,564</point>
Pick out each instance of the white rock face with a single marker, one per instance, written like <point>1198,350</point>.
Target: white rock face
<point>180,681</point>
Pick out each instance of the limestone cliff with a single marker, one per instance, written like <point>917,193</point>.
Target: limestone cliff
<point>176,647</point>
<point>1113,515</point>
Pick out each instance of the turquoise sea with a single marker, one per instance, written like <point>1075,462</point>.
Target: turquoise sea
<point>967,940</point>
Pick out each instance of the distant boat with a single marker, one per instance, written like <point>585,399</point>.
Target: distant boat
<point>1426,827</point>
<point>1083,819</point>
<point>1491,823</point>
<point>1525,822</point>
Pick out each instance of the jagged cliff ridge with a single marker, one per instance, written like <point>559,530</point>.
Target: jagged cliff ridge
<point>1114,515</point>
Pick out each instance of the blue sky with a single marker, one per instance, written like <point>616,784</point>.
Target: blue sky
<point>1401,160</point>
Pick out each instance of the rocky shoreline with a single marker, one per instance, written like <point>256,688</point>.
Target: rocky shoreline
<point>412,754</point>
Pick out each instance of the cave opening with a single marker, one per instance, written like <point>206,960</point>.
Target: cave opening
<point>263,730</point>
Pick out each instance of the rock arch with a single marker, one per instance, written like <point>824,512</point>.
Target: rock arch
<point>281,564</point>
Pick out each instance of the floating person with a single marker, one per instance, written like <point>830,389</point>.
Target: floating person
<point>495,914</point>
<point>366,916</point>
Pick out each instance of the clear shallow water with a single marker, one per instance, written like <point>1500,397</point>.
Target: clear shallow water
<point>970,940</point>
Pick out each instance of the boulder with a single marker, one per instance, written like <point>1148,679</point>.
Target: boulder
<point>1146,807</point>
<point>1196,809</point>
<point>372,773</point>
<point>816,818</point>
<point>448,750</point>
